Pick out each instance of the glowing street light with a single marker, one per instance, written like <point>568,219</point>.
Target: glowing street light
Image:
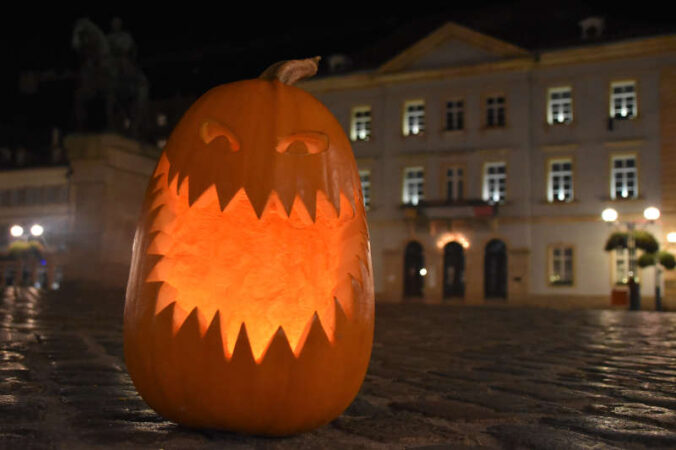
<point>423,272</point>
<point>16,231</point>
<point>609,215</point>
<point>651,213</point>
<point>37,230</point>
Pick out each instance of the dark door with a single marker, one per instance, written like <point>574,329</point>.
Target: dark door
<point>414,261</point>
<point>495,270</point>
<point>454,270</point>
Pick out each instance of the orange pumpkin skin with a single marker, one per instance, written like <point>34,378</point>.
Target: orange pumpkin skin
<point>250,300</point>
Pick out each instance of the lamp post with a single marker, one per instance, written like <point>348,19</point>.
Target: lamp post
<point>651,214</point>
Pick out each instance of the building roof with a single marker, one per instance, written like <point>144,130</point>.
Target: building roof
<point>525,26</point>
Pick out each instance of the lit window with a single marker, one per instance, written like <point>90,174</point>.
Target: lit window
<point>161,120</point>
<point>560,185</point>
<point>365,177</point>
<point>495,111</point>
<point>560,109</point>
<point>623,104</point>
<point>414,117</point>
<point>414,185</point>
<point>455,115</point>
<point>360,129</point>
<point>624,177</point>
<point>454,184</point>
<point>621,264</point>
<point>495,182</point>
<point>561,265</point>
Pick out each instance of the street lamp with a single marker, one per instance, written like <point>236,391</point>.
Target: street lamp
<point>16,231</point>
<point>651,214</point>
<point>37,230</point>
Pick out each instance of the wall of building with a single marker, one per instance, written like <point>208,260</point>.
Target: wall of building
<point>527,222</point>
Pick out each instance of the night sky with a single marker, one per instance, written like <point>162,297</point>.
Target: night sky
<point>186,50</point>
<point>241,42</point>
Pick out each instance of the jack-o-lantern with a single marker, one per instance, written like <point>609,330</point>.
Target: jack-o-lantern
<point>250,298</point>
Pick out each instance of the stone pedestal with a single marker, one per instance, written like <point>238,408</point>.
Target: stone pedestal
<point>108,182</point>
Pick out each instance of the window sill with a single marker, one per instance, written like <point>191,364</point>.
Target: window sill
<point>413,136</point>
<point>446,132</point>
<point>494,127</point>
<point>555,125</point>
<point>562,285</point>
<point>623,200</point>
<point>545,201</point>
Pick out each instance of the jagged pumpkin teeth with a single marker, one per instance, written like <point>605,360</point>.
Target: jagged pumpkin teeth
<point>251,264</point>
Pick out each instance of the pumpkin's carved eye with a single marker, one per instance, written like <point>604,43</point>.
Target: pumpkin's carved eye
<point>211,130</point>
<point>303,143</point>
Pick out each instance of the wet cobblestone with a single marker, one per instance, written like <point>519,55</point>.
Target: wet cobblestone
<point>441,377</point>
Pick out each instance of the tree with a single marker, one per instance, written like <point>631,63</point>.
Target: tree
<point>646,242</point>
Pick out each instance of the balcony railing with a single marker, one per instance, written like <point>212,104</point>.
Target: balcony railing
<point>467,208</point>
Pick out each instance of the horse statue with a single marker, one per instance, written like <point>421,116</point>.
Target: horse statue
<point>109,72</point>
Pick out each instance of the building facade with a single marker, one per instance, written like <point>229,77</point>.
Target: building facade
<point>86,211</point>
<point>486,167</point>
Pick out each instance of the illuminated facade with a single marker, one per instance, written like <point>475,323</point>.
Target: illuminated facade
<point>488,165</point>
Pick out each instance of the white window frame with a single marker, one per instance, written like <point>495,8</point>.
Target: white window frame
<point>621,112</point>
<point>565,276</point>
<point>622,174</point>
<point>360,123</point>
<point>455,176</point>
<point>413,189</point>
<point>560,193</point>
<point>491,180</point>
<point>365,179</point>
<point>560,109</point>
<point>495,107</point>
<point>620,258</point>
<point>414,118</point>
<point>455,115</point>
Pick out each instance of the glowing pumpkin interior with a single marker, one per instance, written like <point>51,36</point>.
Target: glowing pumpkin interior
<point>276,271</point>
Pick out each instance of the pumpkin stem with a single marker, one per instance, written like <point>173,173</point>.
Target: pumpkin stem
<point>289,72</point>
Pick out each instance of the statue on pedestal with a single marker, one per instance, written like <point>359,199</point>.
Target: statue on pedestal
<point>111,86</point>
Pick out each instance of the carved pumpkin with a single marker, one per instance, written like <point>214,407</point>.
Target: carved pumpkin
<point>250,298</point>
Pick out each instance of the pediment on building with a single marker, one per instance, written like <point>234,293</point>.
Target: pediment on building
<point>452,45</point>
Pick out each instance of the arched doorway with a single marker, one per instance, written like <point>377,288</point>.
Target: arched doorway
<point>414,260</point>
<point>454,270</point>
<point>495,270</point>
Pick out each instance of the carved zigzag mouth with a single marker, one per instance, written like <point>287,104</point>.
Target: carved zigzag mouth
<point>301,186</point>
<point>268,274</point>
<point>243,339</point>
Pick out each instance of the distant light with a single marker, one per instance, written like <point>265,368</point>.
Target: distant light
<point>651,213</point>
<point>609,215</point>
<point>562,196</point>
<point>43,262</point>
<point>16,231</point>
<point>447,237</point>
<point>37,230</point>
<point>671,237</point>
<point>423,272</point>
<point>161,120</point>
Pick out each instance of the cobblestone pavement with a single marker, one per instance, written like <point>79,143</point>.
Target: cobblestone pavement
<point>440,377</point>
